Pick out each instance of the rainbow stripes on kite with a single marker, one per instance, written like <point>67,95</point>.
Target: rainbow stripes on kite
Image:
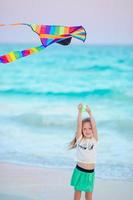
<point>48,35</point>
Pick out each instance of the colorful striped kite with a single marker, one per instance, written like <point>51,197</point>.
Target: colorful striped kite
<point>48,35</point>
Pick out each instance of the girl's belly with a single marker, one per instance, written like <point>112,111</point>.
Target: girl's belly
<point>86,166</point>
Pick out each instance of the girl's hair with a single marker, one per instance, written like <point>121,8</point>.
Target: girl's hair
<point>73,144</point>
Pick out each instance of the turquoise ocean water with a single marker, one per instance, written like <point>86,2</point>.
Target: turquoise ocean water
<point>38,106</point>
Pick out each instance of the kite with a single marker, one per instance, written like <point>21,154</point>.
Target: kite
<point>48,35</point>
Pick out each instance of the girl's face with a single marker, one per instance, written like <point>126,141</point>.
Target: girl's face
<point>87,130</point>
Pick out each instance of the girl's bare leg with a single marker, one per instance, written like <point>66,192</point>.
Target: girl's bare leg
<point>77,195</point>
<point>88,196</point>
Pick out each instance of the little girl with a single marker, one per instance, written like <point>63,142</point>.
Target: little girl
<point>85,142</point>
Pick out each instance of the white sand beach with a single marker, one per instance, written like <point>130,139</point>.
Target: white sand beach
<point>22,182</point>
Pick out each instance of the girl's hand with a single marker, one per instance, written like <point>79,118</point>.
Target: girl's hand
<point>88,109</point>
<point>80,107</point>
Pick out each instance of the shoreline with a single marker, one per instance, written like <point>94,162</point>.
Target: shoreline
<point>63,168</point>
<point>24,182</point>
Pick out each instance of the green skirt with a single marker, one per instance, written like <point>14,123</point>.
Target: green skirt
<point>82,179</point>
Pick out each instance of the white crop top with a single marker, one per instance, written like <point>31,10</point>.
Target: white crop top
<point>86,150</point>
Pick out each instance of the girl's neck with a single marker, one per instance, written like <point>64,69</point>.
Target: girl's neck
<point>87,137</point>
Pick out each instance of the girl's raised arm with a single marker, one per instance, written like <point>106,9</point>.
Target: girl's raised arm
<point>79,122</point>
<point>93,123</point>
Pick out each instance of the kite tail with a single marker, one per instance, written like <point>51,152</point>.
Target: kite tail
<point>14,55</point>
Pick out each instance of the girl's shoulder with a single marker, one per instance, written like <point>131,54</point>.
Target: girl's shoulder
<point>94,140</point>
<point>79,139</point>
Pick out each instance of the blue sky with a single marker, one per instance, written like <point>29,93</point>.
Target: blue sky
<point>106,21</point>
